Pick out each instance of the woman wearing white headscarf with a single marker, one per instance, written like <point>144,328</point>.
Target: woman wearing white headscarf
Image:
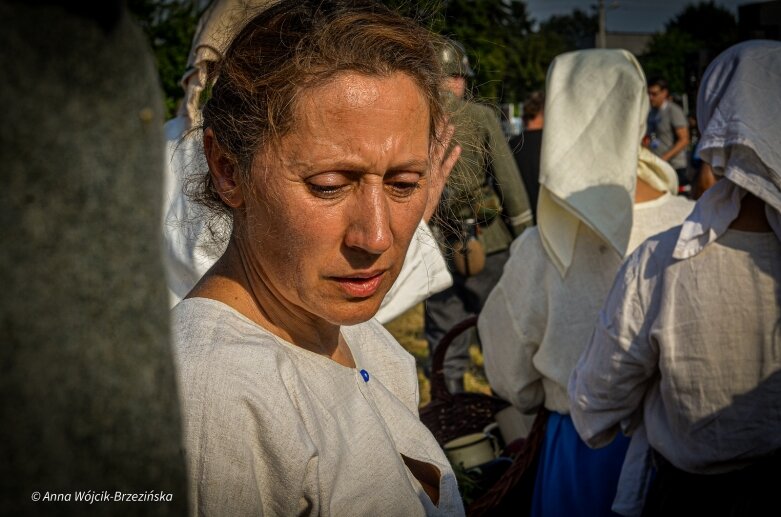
<point>601,195</point>
<point>688,344</point>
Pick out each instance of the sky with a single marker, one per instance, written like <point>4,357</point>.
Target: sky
<point>627,15</point>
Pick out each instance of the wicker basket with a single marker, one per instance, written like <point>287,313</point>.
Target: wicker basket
<point>449,416</point>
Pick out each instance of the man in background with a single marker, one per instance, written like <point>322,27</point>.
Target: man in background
<point>527,146</point>
<point>483,208</point>
<point>668,130</point>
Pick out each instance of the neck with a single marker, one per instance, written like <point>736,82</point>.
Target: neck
<point>238,281</point>
<point>752,216</point>
<point>645,192</point>
<point>535,123</point>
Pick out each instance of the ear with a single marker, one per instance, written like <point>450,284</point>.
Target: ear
<point>223,171</point>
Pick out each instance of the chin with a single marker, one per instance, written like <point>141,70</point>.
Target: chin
<point>352,312</point>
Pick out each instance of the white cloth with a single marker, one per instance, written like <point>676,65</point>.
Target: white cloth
<point>692,348</point>
<point>190,249</point>
<point>595,112</point>
<point>666,339</point>
<point>738,113</point>
<point>216,28</point>
<point>536,323</point>
<point>658,173</point>
<point>273,429</point>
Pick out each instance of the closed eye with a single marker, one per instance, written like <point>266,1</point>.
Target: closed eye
<point>328,185</point>
<point>403,188</point>
<point>325,190</point>
<point>403,183</point>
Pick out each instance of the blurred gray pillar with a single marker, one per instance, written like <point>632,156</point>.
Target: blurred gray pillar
<point>86,374</point>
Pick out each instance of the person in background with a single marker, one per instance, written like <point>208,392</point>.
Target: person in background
<point>323,135</point>
<point>668,130</point>
<point>686,350</point>
<point>193,239</point>
<point>483,208</point>
<point>601,194</point>
<point>527,146</point>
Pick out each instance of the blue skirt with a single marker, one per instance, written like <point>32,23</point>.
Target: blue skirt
<point>573,479</point>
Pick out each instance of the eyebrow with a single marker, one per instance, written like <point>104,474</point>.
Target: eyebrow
<point>413,164</point>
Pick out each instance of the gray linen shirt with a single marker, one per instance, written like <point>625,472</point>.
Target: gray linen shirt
<point>693,347</point>
<point>273,429</point>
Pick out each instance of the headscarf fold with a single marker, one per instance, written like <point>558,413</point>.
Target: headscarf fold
<point>658,173</point>
<point>216,29</point>
<point>595,113</point>
<point>739,115</point>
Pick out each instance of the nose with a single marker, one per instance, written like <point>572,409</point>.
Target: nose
<point>369,222</point>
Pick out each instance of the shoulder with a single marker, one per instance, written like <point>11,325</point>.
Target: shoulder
<point>527,248</point>
<point>220,353</point>
<point>483,109</point>
<point>196,321</point>
<point>528,268</point>
<point>475,113</point>
<point>668,210</point>
<point>676,114</point>
<point>677,208</point>
<point>652,256</point>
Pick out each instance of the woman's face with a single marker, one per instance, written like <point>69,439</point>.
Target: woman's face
<point>334,207</point>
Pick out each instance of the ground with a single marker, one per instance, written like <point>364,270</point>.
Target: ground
<point>408,330</point>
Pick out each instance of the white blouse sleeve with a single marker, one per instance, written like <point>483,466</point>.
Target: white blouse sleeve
<point>607,386</point>
<point>512,325</point>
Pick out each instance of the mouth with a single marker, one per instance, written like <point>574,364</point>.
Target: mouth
<point>361,285</point>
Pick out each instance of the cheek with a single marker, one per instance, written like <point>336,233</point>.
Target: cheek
<point>406,216</point>
<point>306,235</point>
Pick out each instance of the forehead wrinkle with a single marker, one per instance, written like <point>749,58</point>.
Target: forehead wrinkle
<point>330,104</point>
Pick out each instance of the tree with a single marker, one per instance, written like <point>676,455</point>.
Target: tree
<point>712,26</point>
<point>493,32</point>
<point>667,55</point>
<point>694,36</point>
<point>576,30</point>
<point>169,26</point>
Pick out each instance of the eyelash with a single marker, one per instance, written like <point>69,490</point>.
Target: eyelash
<point>404,188</point>
<point>325,190</point>
<point>398,188</point>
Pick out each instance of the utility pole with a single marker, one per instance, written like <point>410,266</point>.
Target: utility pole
<point>601,36</point>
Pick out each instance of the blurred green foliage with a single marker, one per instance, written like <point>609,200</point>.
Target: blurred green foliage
<point>169,26</point>
<point>509,55</point>
<point>704,28</point>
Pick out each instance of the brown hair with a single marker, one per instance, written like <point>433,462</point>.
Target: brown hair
<point>533,105</point>
<point>298,44</point>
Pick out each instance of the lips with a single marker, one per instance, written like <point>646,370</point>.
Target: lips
<point>360,286</point>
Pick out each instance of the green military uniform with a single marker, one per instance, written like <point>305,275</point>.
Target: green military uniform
<point>484,185</point>
<point>485,169</point>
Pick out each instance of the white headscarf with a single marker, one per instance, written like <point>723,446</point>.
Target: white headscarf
<point>216,28</point>
<point>595,115</point>
<point>739,114</point>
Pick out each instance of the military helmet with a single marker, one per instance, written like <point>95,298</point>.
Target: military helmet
<point>453,59</point>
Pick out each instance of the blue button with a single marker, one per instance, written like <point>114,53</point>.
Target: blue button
<point>365,375</point>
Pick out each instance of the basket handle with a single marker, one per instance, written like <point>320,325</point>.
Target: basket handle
<point>438,387</point>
